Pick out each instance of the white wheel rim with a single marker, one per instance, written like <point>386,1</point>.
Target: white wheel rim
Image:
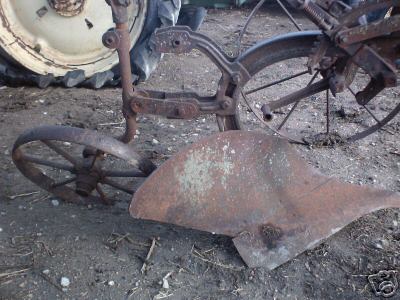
<point>44,41</point>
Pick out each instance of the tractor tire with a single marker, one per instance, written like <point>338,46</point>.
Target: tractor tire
<point>15,72</point>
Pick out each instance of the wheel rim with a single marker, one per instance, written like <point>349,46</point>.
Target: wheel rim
<point>321,123</point>
<point>57,36</point>
<point>75,174</point>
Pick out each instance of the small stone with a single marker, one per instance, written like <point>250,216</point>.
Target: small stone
<point>395,223</point>
<point>1,229</point>
<point>171,126</point>
<point>155,142</point>
<point>165,284</point>
<point>65,282</point>
<point>385,243</point>
<point>46,272</point>
<point>55,202</point>
<point>381,244</point>
<point>111,283</point>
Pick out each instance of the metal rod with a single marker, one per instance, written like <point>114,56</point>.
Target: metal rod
<point>61,152</point>
<point>260,118</point>
<point>249,18</point>
<point>328,112</point>
<point>131,173</point>
<point>289,15</point>
<point>42,162</point>
<point>275,82</point>
<point>295,105</point>
<point>69,180</point>
<point>372,115</point>
<point>117,186</point>
<point>300,94</point>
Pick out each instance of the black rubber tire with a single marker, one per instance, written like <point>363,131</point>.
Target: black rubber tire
<point>144,58</point>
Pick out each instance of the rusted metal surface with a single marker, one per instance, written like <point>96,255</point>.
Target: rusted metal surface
<point>247,185</point>
<point>67,8</point>
<point>86,170</point>
<point>256,189</point>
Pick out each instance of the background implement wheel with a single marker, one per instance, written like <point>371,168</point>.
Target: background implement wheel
<point>74,163</point>
<point>60,41</point>
<point>315,116</point>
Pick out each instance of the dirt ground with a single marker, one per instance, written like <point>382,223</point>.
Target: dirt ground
<point>101,249</point>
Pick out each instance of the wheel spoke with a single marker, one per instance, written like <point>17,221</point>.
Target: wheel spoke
<point>297,103</point>
<point>372,115</point>
<point>130,173</point>
<point>351,91</point>
<point>103,196</point>
<point>61,152</point>
<point>69,180</point>
<point>118,186</point>
<point>275,82</point>
<point>289,15</point>
<point>328,112</point>
<point>47,163</point>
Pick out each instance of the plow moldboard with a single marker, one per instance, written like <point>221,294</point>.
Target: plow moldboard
<point>256,189</point>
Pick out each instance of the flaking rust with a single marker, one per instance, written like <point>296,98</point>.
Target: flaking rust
<point>269,200</point>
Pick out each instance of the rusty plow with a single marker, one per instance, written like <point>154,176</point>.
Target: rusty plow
<point>256,189</point>
<point>247,185</point>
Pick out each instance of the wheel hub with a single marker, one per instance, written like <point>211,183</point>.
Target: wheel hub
<point>40,39</point>
<point>67,8</point>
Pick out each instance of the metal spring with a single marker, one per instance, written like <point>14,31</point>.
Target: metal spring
<point>315,13</point>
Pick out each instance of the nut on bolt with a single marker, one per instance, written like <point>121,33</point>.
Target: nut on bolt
<point>181,111</point>
<point>225,104</point>
<point>236,78</point>
<point>111,39</point>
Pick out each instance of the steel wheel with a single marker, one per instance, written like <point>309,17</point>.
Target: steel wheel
<point>71,163</point>
<point>310,113</point>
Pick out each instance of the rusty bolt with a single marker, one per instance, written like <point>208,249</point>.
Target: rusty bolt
<point>226,104</point>
<point>136,106</point>
<point>181,111</point>
<point>236,78</point>
<point>111,39</point>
